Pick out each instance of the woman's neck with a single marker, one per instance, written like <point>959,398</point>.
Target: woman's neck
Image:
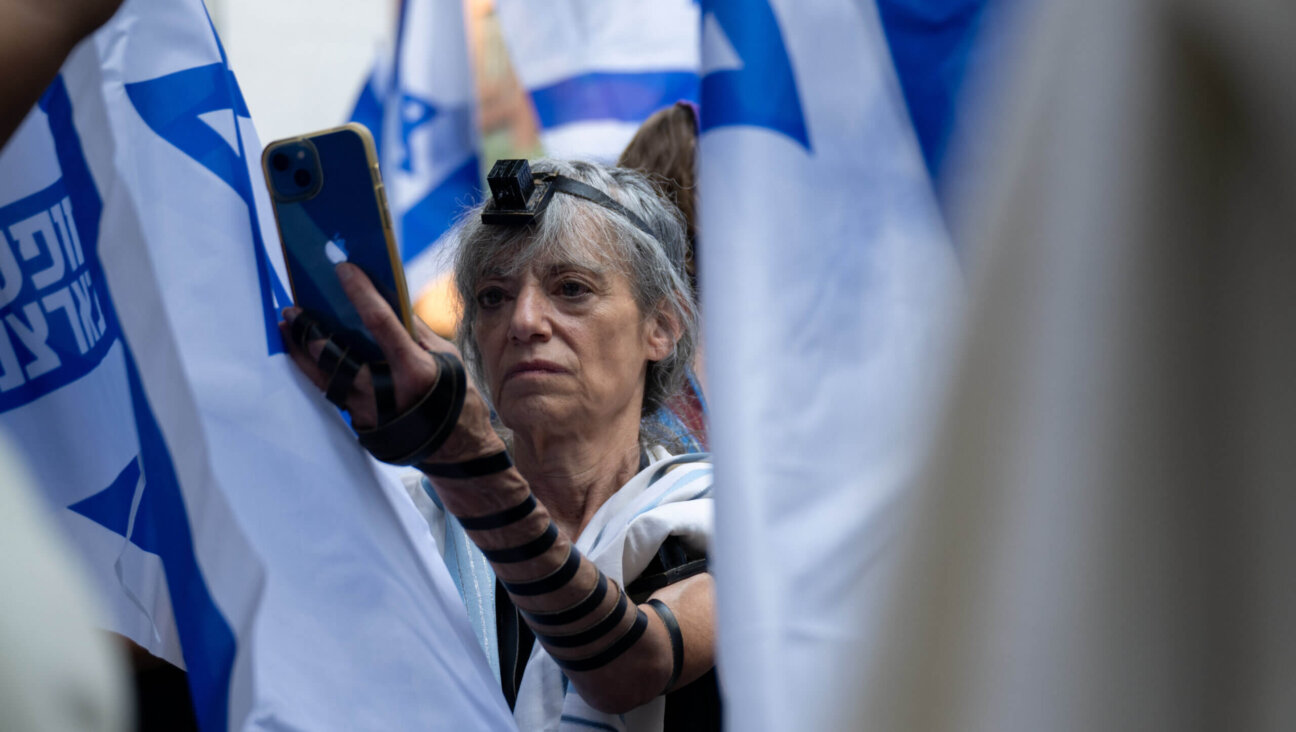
<point>574,475</point>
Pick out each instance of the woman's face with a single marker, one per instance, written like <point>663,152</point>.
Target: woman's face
<point>564,347</point>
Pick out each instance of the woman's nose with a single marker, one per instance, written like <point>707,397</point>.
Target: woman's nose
<point>530,315</point>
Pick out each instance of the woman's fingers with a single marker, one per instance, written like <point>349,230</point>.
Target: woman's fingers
<point>413,370</point>
<point>360,401</point>
<point>377,315</point>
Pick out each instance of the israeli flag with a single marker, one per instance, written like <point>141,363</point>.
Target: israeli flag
<point>828,281</point>
<point>596,69</point>
<point>419,103</point>
<point>229,520</point>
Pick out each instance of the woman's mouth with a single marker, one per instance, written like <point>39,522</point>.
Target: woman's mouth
<point>533,368</point>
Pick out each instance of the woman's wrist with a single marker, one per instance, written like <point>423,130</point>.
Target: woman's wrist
<point>473,436</point>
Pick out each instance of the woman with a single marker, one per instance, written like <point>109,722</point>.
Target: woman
<point>577,327</point>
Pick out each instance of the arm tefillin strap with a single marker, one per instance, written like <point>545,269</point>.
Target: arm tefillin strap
<point>334,360</point>
<point>676,640</point>
<point>527,551</point>
<point>500,519</point>
<point>612,652</point>
<point>412,437</point>
<point>550,582</point>
<point>592,629</point>
<point>575,612</point>
<point>401,439</point>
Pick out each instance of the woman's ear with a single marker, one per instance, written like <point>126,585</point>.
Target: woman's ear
<point>661,334</point>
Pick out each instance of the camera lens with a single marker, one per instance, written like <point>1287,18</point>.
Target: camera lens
<point>280,161</point>
<point>302,178</point>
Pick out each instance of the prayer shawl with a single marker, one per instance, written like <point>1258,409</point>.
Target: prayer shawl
<point>672,496</point>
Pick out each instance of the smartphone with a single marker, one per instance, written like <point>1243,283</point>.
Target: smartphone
<point>330,207</point>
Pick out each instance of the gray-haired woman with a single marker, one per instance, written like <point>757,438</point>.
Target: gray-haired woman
<point>577,326</point>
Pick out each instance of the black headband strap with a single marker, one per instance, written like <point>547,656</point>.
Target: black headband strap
<point>563,184</point>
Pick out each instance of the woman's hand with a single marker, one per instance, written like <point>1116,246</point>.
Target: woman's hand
<point>413,370</point>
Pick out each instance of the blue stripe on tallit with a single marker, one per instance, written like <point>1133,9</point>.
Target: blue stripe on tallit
<point>678,460</point>
<point>473,578</point>
<point>686,480</point>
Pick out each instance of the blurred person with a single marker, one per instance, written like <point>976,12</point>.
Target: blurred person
<point>577,327</point>
<point>665,149</point>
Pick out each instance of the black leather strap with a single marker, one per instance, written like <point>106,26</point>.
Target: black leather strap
<point>475,468</point>
<point>418,433</point>
<point>499,519</point>
<point>592,633</point>
<point>305,328</point>
<point>563,184</point>
<point>612,652</point>
<point>334,361</point>
<point>527,551</point>
<point>575,612</point>
<point>551,581</point>
<point>676,640</point>
<point>384,388</point>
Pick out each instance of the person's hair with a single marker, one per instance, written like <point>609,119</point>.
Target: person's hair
<point>665,149</point>
<point>586,234</point>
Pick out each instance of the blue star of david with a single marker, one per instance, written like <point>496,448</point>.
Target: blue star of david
<point>414,113</point>
<point>763,93</point>
<point>171,106</point>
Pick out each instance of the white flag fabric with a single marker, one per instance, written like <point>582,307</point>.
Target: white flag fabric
<point>827,283</point>
<point>1105,533</point>
<point>596,69</point>
<point>419,104</point>
<point>231,523</point>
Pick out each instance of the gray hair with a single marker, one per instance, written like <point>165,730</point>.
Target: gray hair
<point>582,232</point>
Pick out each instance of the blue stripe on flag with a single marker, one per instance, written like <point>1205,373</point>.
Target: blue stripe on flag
<point>763,92</point>
<point>162,524</point>
<point>625,97</point>
<point>930,43</point>
<point>369,111</point>
<point>425,221</point>
<point>162,527</point>
<point>170,105</point>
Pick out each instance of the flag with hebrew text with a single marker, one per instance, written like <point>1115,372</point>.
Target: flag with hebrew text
<point>227,517</point>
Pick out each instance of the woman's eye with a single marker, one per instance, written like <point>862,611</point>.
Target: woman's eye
<point>572,289</point>
<point>490,297</point>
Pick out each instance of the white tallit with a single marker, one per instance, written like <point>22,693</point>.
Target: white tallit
<point>672,496</point>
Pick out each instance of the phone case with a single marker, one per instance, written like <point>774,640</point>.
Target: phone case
<point>330,207</point>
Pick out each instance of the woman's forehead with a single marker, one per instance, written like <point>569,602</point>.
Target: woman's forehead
<point>549,258</point>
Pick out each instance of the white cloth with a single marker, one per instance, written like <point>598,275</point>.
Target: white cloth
<point>828,282</point>
<point>671,497</point>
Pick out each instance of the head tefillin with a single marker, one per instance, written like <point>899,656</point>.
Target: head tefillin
<point>520,197</point>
